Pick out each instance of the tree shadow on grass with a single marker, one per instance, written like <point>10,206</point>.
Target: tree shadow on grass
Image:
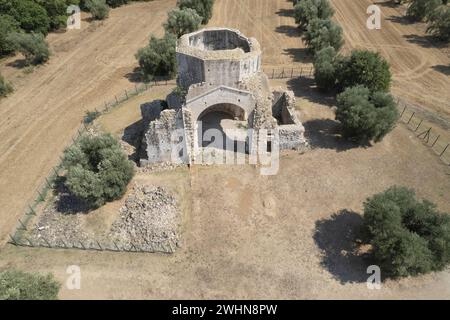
<point>426,41</point>
<point>326,134</point>
<point>135,76</point>
<point>68,203</point>
<point>19,63</point>
<point>290,31</point>
<point>299,54</point>
<point>338,239</point>
<point>285,12</point>
<point>442,69</point>
<point>306,88</point>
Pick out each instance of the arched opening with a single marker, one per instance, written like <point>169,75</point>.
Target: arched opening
<point>228,120</point>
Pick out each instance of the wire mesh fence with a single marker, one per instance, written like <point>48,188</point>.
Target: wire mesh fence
<point>289,73</point>
<point>424,131</point>
<point>20,238</point>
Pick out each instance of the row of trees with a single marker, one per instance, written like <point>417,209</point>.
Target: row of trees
<point>158,58</point>
<point>435,12</point>
<point>365,109</point>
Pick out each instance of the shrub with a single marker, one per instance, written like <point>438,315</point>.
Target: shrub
<point>439,23</point>
<point>323,33</point>
<point>203,7</point>
<point>18,285</point>
<point>408,236</point>
<point>307,10</point>
<point>366,116</point>
<point>7,25</point>
<point>325,63</point>
<point>159,57</point>
<point>31,16</point>
<point>365,68</point>
<point>5,87</point>
<point>98,8</point>
<point>90,116</point>
<point>182,21</point>
<point>421,9</point>
<point>32,45</point>
<point>97,169</point>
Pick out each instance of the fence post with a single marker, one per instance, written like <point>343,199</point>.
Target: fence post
<point>411,117</point>
<point>273,73</point>
<point>437,138</point>
<point>46,241</point>
<point>14,242</point>
<point>23,225</point>
<point>32,211</point>
<point>401,115</point>
<point>419,125</point>
<point>443,151</point>
<point>98,243</point>
<point>126,94</point>
<point>292,73</point>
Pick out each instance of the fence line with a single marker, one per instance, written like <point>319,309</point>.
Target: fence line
<point>19,239</point>
<point>289,73</point>
<point>426,133</point>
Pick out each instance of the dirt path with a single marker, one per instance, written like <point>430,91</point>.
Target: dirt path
<point>420,70</point>
<point>87,67</point>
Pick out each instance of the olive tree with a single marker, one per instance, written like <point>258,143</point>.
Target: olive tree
<point>203,7</point>
<point>307,10</point>
<point>366,116</point>
<point>323,33</point>
<point>158,58</point>
<point>408,236</point>
<point>32,45</point>
<point>182,21</point>
<point>439,23</point>
<point>5,87</point>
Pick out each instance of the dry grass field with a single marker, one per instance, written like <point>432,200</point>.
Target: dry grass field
<point>87,67</point>
<point>244,235</point>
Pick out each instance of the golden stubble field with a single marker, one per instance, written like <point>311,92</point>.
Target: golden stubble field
<point>244,235</point>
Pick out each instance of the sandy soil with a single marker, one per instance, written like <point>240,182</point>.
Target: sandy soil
<point>420,68</point>
<point>245,235</point>
<point>87,67</point>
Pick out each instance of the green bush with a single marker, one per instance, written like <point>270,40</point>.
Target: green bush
<point>158,58</point>
<point>18,285</point>
<point>365,68</point>
<point>56,12</point>
<point>7,25</point>
<point>421,9</point>
<point>439,23</point>
<point>5,87</point>
<point>323,33</point>
<point>98,8</point>
<point>408,236</point>
<point>325,62</point>
<point>31,16</point>
<point>182,21</point>
<point>98,171</point>
<point>203,7</point>
<point>366,116</point>
<point>307,10</point>
<point>32,45</point>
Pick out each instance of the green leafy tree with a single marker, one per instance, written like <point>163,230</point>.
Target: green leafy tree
<point>5,87</point>
<point>439,23</point>
<point>203,7</point>
<point>7,25</point>
<point>31,16</point>
<point>365,68</point>
<point>18,285</point>
<point>325,62</point>
<point>323,33</point>
<point>366,116</point>
<point>408,236</point>
<point>182,21</point>
<point>307,10</point>
<point>98,8</point>
<point>56,11</point>
<point>32,45</point>
<point>97,169</point>
<point>159,57</point>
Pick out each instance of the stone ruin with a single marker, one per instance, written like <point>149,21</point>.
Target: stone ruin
<point>219,72</point>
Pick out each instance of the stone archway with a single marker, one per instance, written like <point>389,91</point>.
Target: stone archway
<point>220,117</point>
